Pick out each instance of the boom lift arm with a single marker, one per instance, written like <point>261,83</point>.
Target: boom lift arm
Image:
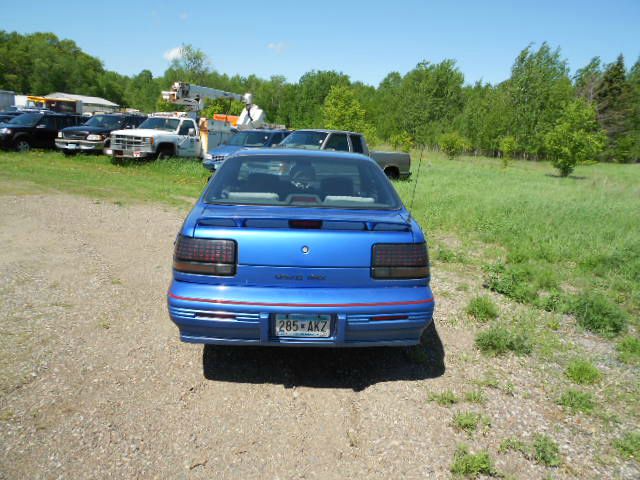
<point>194,96</point>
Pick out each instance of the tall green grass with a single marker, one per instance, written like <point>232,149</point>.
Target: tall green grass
<point>555,236</point>
<point>174,181</point>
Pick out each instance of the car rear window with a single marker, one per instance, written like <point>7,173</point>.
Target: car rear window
<point>302,182</point>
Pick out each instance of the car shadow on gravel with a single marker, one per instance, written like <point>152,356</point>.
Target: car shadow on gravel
<point>354,368</point>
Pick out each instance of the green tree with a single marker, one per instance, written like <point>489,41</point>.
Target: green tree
<point>310,94</point>
<point>588,78</point>
<point>453,144</point>
<point>508,147</point>
<point>342,111</point>
<point>219,105</point>
<point>402,141</point>
<point>615,112</point>
<point>143,91</point>
<point>191,65</point>
<point>431,97</point>
<point>538,89</point>
<point>576,137</point>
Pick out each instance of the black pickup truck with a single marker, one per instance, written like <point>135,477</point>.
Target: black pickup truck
<point>35,130</point>
<point>94,135</point>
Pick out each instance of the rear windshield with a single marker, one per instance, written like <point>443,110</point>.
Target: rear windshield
<point>302,139</point>
<point>303,182</point>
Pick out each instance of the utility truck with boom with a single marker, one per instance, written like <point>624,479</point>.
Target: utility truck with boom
<point>169,134</point>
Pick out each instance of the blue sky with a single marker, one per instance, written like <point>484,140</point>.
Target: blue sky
<point>364,39</point>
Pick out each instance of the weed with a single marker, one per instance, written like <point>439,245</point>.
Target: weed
<point>475,396</point>
<point>577,401</point>
<point>513,444</point>
<point>583,372</point>
<point>445,398</point>
<point>597,314</point>
<point>543,450</point>
<point>472,465</point>
<point>629,445</point>
<point>105,324</point>
<point>546,451</point>
<point>499,340</point>
<point>509,388</point>
<point>629,350</point>
<point>482,308</point>
<point>469,421</point>
<point>489,380</point>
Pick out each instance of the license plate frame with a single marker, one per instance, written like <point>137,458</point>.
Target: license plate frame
<point>302,325</point>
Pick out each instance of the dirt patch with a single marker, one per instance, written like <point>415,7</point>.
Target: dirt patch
<point>95,383</point>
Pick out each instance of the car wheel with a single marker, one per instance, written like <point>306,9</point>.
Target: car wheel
<point>23,145</point>
<point>392,172</point>
<point>164,154</point>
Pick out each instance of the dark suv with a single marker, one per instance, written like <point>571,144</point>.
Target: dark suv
<point>35,130</point>
<point>94,135</point>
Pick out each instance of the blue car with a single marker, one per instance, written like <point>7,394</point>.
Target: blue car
<point>300,248</point>
<point>244,139</point>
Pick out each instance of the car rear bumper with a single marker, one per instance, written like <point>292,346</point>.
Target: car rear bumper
<point>245,315</point>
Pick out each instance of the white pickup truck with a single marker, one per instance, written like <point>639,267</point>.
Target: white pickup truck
<point>159,136</point>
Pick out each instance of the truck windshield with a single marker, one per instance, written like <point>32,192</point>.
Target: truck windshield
<point>111,122</point>
<point>159,123</point>
<point>26,119</point>
<point>249,139</point>
<point>302,139</point>
<point>300,181</point>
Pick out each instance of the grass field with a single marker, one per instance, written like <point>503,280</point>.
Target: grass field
<point>541,239</point>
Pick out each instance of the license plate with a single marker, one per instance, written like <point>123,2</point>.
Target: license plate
<point>302,325</point>
<point>108,151</point>
<point>71,146</point>
<point>137,154</point>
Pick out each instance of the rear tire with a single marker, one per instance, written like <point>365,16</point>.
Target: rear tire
<point>392,173</point>
<point>22,145</point>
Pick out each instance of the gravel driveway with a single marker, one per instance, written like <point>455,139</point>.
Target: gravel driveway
<point>94,382</point>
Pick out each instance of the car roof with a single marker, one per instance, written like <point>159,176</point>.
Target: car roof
<point>327,130</point>
<point>298,153</point>
<point>265,130</point>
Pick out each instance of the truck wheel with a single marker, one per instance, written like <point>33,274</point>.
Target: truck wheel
<point>23,145</point>
<point>392,172</point>
<point>164,154</point>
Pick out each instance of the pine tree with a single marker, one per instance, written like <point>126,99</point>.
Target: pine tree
<point>614,106</point>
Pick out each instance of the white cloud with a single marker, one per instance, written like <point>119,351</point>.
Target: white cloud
<point>183,16</point>
<point>173,54</point>
<point>277,47</point>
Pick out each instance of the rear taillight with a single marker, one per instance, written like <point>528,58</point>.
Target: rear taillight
<point>400,260</point>
<point>205,256</point>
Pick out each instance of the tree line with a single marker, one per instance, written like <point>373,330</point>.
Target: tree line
<point>541,111</point>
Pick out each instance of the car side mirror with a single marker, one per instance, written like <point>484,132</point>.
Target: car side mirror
<point>192,132</point>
